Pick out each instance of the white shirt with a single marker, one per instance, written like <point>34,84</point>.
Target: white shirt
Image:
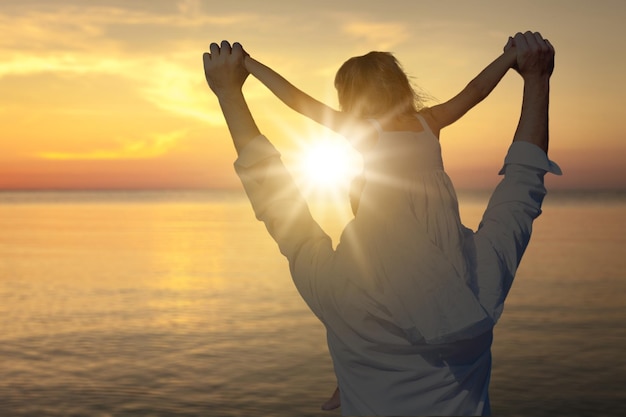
<point>390,360</point>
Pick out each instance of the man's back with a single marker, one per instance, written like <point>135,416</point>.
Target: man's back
<point>381,373</point>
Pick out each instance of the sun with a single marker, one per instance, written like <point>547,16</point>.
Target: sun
<point>327,165</point>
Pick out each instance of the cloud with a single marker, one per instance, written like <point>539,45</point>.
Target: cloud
<point>156,145</point>
<point>145,47</point>
<point>25,64</point>
<point>179,89</point>
<point>40,27</point>
<point>378,35</point>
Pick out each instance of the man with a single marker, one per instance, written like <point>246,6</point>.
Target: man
<point>381,367</point>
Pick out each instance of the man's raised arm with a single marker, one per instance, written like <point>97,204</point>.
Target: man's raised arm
<point>274,196</point>
<point>506,226</point>
<point>225,73</point>
<point>535,62</point>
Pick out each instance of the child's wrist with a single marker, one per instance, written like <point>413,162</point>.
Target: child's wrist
<point>510,56</point>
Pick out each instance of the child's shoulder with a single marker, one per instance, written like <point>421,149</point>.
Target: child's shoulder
<point>427,114</point>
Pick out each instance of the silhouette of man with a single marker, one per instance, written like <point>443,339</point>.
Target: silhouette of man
<point>388,363</point>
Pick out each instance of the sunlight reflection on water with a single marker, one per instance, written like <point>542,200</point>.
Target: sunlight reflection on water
<point>182,305</point>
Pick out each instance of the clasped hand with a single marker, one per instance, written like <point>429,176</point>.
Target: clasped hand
<point>534,54</point>
<point>224,67</point>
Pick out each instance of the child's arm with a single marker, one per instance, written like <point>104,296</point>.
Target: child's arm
<point>293,97</point>
<point>480,87</point>
<point>351,128</point>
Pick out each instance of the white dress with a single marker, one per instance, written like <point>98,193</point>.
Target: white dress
<point>408,240</point>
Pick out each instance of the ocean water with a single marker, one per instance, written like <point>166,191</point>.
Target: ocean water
<point>179,304</point>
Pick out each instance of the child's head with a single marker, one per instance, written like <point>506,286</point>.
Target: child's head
<point>374,85</point>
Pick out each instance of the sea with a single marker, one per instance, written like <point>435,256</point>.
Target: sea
<point>178,303</point>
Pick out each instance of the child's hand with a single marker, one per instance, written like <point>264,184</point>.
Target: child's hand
<point>223,67</point>
<point>510,52</point>
<point>248,62</point>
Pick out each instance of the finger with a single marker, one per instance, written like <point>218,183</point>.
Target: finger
<point>238,49</point>
<point>215,50</point>
<point>238,45</point>
<point>520,43</point>
<point>531,40</point>
<point>549,45</point>
<point>206,61</point>
<point>225,47</point>
<point>508,43</point>
<point>541,41</point>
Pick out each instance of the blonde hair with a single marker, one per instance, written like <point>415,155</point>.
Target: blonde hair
<point>375,85</point>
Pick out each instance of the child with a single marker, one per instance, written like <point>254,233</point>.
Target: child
<point>371,107</point>
<point>384,119</point>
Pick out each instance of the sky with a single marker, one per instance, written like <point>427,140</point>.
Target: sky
<point>108,94</point>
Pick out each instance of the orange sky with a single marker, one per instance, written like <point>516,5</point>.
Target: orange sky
<point>111,94</point>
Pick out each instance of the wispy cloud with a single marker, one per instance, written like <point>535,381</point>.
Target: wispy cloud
<point>379,35</point>
<point>58,27</point>
<point>156,145</point>
<point>75,41</point>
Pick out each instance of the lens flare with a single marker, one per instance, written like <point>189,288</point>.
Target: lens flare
<point>326,165</point>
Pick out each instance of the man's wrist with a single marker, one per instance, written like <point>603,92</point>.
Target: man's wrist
<point>537,87</point>
<point>228,94</point>
<point>537,80</point>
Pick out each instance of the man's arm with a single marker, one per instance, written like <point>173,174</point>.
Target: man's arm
<point>275,198</point>
<point>535,60</point>
<point>506,227</point>
<point>225,74</point>
<point>476,91</point>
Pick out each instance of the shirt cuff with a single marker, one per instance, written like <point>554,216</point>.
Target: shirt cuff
<point>257,150</point>
<point>526,153</point>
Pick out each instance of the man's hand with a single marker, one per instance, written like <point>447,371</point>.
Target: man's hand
<point>535,55</point>
<point>224,68</point>
<point>225,72</point>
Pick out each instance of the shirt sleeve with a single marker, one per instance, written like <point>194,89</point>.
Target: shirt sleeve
<point>504,232</point>
<point>278,203</point>
<point>525,166</point>
<point>528,154</point>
